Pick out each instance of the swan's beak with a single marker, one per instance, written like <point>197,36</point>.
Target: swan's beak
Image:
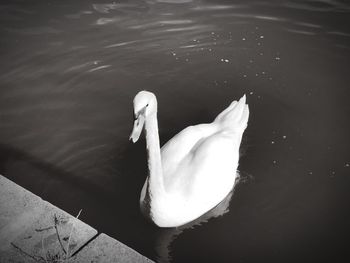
<point>138,125</point>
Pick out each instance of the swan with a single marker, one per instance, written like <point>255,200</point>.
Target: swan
<point>195,170</point>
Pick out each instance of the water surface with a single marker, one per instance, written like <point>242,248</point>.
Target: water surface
<point>69,72</point>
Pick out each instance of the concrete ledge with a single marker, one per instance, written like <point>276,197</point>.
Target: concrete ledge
<point>33,230</point>
<point>107,249</point>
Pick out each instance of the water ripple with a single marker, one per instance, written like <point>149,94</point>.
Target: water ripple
<point>105,20</point>
<point>122,44</point>
<point>99,68</point>
<point>216,7</point>
<point>161,23</point>
<point>105,8</point>
<point>339,33</point>
<point>307,25</point>
<point>250,16</point>
<point>189,28</point>
<point>40,30</point>
<point>174,1</point>
<point>318,5</point>
<point>303,32</point>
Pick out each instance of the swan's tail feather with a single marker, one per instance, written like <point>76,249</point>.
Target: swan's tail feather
<point>235,117</point>
<point>225,111</point>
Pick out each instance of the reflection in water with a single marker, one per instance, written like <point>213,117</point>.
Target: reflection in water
<point>166,236</point>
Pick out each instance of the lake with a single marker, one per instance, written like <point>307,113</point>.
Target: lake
<point>70,70</point>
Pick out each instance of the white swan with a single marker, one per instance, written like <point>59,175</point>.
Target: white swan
<point>194,170</point>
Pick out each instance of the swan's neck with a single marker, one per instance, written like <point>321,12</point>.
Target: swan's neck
<point>156,183</point>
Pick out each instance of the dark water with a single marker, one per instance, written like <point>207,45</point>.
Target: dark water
<point>69,72</point>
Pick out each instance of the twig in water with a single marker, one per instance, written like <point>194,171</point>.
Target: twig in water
<point>70,235</point>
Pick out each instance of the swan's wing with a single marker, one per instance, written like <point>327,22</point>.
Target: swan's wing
<point>177,148</point>
<point>233,119</point>
<point>214,162</point>
<point>198,154</point>
<point>210,165</point>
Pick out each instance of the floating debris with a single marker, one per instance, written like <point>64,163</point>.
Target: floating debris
<point>225,60</point>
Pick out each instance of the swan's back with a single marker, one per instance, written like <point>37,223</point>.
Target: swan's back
<point>213,146</point>
<point>233,118</point>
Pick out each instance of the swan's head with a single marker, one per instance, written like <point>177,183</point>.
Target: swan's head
<point>145,104</point>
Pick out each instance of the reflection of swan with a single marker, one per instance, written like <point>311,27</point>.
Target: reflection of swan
<point>195,170</point>
<point>166,236</point>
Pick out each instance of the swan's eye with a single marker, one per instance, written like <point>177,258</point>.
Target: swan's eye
<point>147,105</point>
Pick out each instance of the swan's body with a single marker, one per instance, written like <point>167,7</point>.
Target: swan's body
<point>193,171</point>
